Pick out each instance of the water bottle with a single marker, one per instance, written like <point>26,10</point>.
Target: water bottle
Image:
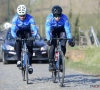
<point>56,55</point>
<point>56,58</point>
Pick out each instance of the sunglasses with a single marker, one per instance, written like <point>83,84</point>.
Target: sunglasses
<point>22,15</point>
<point>57,15</point>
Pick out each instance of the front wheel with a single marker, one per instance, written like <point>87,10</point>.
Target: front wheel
<point>54,75</point>
<point>23,70</point>
<point>61,70</point>
<point>27,66</point>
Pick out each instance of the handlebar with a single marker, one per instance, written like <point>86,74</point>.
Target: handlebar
<point>61,38</point>
<point>27,39</point>
<point>30,39</point>
<point>58,39</point>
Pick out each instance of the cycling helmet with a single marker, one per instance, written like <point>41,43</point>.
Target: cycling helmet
<point>7,25</point>
<point>21,10</point>
<point>56,9</point>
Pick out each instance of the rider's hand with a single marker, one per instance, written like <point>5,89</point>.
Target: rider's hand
<point>31,38</point>
<point>49,42</point>
<point>71,42</point>
<point>18,38</point>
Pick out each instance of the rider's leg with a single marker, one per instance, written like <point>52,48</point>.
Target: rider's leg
<point>51,57</point>
<point>30,69</point>
<point>18,48</point>
<point>51,54</point>
<point>63,41</point>
<point>61,34</point>
<point>18,52</point>
<point>29,46</point>
<point>52,49</point>
<point>30,52</point>
<point>63,48</point>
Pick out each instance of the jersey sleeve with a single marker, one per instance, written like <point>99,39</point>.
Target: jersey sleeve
<point>33,27</point>
<point>47,28</point>
<point>67,28</point>
<point>14,27</point>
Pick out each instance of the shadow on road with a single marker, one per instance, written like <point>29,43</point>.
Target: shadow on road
<point>81,79</point>
<point>41,80</point>
<point>72,80</point>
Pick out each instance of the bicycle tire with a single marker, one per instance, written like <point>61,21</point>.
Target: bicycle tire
<point>27,68</point>
<point>54,73</point>
<point>61,73</point>
<point>23,70</point>
<point>54,76</point>
<point>23,75</point>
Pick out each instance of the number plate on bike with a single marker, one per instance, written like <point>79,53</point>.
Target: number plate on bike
<point>33,54</point>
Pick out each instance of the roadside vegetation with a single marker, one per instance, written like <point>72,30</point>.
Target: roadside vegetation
<point>82,14</point>
<point>90,64</point>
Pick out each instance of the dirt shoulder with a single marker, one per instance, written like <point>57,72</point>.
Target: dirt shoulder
<point>75,55</point>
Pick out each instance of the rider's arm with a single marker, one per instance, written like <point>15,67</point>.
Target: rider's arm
<point>67,28</point>
<point>33,27</point>
<point>14,27</point>
<point>48,27</point>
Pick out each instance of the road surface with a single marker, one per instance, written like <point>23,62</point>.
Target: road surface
<point>10,79</point>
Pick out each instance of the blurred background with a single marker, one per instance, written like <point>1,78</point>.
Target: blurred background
<point>82,13</point>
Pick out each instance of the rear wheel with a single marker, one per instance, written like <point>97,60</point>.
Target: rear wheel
<point>3,58</point>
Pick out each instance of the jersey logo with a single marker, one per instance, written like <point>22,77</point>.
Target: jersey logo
<point>20,24</point>
<point>25,23</point>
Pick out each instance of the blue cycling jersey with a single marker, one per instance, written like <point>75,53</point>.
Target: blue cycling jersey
<point>27,24</point>
<point>51,22</point>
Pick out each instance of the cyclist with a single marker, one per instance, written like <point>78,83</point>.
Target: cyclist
<point>57,25</point>
<point>23,26</point>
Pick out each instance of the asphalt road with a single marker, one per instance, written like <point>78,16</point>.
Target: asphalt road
<point>10,79</point>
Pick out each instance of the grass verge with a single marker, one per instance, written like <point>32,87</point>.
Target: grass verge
<point>90,64</point>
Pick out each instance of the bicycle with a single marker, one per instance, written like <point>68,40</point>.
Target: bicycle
<point>58,72</point>
<point>24,60</point>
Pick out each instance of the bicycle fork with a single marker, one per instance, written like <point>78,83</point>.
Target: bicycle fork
<point>25,57</point>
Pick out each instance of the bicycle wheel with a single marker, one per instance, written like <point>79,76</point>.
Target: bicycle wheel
<point>27,59</point>
<point>61,69</point>
<point>54,76</point>
<point>23,70</point>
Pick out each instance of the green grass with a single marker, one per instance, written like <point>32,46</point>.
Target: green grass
<point>91,63</point>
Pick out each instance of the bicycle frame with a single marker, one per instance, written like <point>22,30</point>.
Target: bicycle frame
<point>24,52</point>
<point>59,57</point>
<point>57,51</point>
<point>24,60</point>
